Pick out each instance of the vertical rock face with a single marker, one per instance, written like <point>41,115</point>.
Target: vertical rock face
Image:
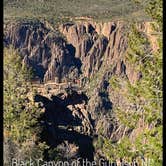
<point>81,50</point>
<point>87,47</point>
<point>89,51</point>
<point>95,42</point>
<point>42,49</point>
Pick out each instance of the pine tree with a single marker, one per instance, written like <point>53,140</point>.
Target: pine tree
<point>21,116</point>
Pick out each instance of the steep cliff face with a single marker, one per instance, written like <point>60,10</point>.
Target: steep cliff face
<point>93,53</point>
<point>87,47</point>
<point>42,49</point>
<point>95,42</point>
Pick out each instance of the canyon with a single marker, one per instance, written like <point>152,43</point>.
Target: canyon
<point>87,54</point>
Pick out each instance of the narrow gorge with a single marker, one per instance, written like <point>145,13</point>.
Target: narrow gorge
<point>89,57</point>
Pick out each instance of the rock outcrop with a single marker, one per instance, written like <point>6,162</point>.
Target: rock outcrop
<point>42,49</point>
<point>67,121</point>
<point>87,47</point>
<point>86,51</point>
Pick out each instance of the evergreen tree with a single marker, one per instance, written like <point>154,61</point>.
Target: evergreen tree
<point>21,115</point>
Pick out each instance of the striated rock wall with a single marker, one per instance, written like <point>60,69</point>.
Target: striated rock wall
<point>87,47</point>
<point>89,51</point>
<point>42,49</point>
<point>95,42</point>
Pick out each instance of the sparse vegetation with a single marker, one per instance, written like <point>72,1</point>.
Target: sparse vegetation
<point>114,82</point>
<point>63,10</point>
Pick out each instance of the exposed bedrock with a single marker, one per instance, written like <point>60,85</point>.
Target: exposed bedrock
<point>73,51</point>
<point>86,51</point>
<point>66,120</point>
